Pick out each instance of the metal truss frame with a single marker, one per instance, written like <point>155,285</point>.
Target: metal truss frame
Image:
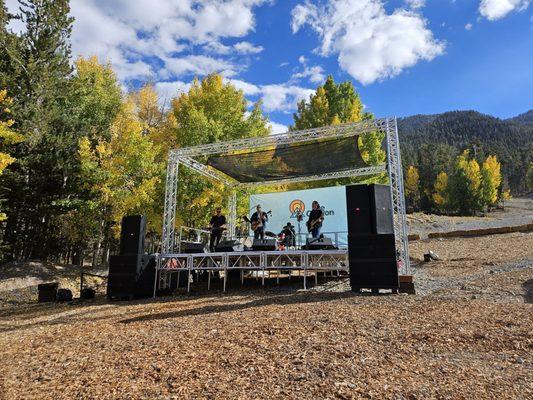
<point>393,167</point>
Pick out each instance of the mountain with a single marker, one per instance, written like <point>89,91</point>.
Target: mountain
<point>437,139</point>
<point>523,119</point>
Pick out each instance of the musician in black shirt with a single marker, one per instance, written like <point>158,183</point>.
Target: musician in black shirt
<point>316,217</point>
<point>259,220</point>
<point>217,226</point>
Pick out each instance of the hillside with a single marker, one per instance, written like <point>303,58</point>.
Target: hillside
<point>523,119</point>
<point>442,136</point>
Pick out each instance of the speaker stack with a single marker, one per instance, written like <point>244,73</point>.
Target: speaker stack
<point>371,241</point>
<point>131,273</point>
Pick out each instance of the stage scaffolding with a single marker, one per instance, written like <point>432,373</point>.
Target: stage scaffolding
<point>186,157</point>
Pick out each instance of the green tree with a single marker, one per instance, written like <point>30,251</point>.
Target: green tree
<point>334,104</point>
<point>123,173</point>
<point>95,100</point>
<point>530,176</point>
<point>211,111</point>
<point>465,185</point>
<point>36,71</point>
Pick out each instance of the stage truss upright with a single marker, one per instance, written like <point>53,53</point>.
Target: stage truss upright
<point>392,166</point>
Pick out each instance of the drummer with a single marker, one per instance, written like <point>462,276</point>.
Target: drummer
<point>290,235</point>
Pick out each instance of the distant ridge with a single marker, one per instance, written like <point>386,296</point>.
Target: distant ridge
<point>523,119</point>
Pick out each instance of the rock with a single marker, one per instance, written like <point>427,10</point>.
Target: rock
<point>519,360</point>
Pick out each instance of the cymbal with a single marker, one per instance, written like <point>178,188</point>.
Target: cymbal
<point>270,234</point>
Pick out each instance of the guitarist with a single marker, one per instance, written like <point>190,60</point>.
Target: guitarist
<point>217,226</point>
<point>316,217</point>
<point>259,220</point>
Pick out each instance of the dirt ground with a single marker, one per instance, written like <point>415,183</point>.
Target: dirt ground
<point>467,334</point>
<point>517,211</point>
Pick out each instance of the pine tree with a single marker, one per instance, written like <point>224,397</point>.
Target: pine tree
<point>36,74</point>
<point>530,176</point>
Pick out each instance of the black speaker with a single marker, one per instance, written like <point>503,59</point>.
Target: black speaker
<point>264,245</point>
<point>131,276</point>
<point>319,244</point>
<point>374,274</point>
<point>371,242</point>
<point>364,247</point>
<point>369,210</point>
<point>64,295</point>
<point>132,234</point>
<point>192,247</point>
<point>228,246</point>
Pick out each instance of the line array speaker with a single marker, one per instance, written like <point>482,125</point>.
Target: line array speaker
<point>371,241</point>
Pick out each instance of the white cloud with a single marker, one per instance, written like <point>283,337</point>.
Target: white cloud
<point>278,128</point>
<point>416,4</point>
<point>314,73</point>
<point>197,65</point>
<point>169,90</point>
<point>302,60</point>
<point>276,97</point>
<point>247,48</point>
<point>469,26</point>
<point>127,33</point>
<point>370,43</point>
<point>283,97</point>
<point>496,9</point>
<point>248,89</point>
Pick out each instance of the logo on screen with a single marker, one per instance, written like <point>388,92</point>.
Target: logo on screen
<point>296,205</point>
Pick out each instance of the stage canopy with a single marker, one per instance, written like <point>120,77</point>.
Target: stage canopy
<point>291,160</point>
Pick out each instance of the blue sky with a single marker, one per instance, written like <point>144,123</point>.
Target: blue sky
<point>405,57</point>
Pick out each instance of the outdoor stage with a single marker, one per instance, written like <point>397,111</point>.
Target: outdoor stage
<point>305,261</point>
<point>284,159</point>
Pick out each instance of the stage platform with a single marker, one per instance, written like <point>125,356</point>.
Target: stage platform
<point>287,260</point>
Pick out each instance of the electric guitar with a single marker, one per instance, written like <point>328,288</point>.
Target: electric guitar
<point>259,222</point>
<point>311,224</point>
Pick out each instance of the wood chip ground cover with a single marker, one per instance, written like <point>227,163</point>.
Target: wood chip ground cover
<point>289,344</point>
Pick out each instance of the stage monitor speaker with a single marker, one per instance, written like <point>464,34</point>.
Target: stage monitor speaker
<point>319,244</point>
<point>228,246</point>
<point>192,247</point>
<point>132,234</point>
<point>369,210</point>
<point>264,245</point>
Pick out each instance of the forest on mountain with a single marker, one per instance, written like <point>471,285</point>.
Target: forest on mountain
<point>431,142</point>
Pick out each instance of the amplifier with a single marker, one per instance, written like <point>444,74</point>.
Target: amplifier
<point>192,247</point>
<point>264,245</point>
<point>228,246</point>
<point>319,244</point>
